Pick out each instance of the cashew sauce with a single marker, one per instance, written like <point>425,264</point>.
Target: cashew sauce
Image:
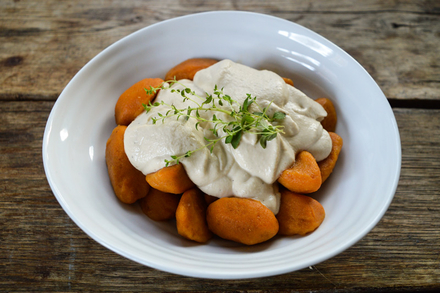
<point>248,171</point>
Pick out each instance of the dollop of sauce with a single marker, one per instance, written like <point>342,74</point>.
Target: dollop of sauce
<point>248,171</point>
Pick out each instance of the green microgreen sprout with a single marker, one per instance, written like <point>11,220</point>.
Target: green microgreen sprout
<point>243,120</point>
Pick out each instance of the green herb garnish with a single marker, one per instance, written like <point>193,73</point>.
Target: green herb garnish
<point>243,120</point>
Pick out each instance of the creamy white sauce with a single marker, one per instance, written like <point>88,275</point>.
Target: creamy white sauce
<point>248,171</point>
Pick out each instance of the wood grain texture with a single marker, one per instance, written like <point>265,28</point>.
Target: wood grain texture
<point>43,250</point>
<point>42,46</point>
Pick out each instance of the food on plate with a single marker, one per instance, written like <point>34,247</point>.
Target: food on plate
<point>128,183</point>
<point>327,165</point>
<point>129,104</point>
<point>228,137</point>
<point>288,81</point>
<point>241,220</point>
<point>303,176</point>
<point>219,123</point>
<point>329,122</point>
<point>188,68</point>
<point>191,217</point>
<point>172,179</point>
<point>158,205</point>
<point>210,199</point>
<point>299,214</point>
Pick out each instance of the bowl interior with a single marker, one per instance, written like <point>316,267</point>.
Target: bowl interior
<point>355,197</point>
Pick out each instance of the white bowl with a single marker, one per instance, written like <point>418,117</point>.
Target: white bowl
<point>355,197</point>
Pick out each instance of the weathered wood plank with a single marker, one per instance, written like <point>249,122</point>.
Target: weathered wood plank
<point>42,46</point>
<point>43,250</point>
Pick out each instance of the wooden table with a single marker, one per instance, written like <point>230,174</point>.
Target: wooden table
<point>44,43</point>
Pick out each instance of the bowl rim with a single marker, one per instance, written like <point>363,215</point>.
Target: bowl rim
<point>90,233</point>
